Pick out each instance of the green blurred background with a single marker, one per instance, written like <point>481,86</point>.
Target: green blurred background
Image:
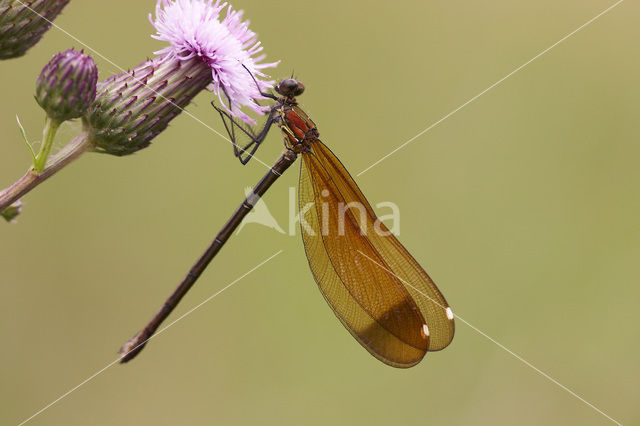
<point>523,206</point>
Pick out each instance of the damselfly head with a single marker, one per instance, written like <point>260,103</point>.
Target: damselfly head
<point>290,88</point>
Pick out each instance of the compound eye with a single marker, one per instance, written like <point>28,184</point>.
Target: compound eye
<point>288,83</point>
<point>290,87</point>
<point>287,87</point>
<point>299,89</point>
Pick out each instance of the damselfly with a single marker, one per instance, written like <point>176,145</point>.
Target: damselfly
<point>375,287</point>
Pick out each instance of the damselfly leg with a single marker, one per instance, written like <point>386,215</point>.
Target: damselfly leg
<point>245,153</point>
<point>255,138</point>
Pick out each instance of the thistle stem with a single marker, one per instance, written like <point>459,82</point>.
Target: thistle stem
<point>32,178</point>
<point>48,135</point>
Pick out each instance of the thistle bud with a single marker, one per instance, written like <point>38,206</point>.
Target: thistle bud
<point>132,108</point>
<point>23,23</point>
<point>66,86</point>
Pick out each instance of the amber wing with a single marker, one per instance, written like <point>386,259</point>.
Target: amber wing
<point>375,287</point>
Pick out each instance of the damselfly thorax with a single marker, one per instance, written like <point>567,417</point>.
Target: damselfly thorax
<point>299,130</point>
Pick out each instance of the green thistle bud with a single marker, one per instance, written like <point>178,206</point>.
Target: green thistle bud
<point>22,24</point>
<point>66,86</point>
<point>132,108</point>
<point>11,212</point>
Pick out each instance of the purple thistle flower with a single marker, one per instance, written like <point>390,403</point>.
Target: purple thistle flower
<point>228,47</point>
<point>66,87</point>
<point>21,25</point>
<point>205,51</point>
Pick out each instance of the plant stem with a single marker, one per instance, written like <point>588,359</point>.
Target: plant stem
<point>32,178</point>
<point>48,134</point>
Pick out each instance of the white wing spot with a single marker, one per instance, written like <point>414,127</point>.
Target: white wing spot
<point>449,313</point>
<point>425,329</point>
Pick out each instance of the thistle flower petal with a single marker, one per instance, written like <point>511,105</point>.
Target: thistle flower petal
<point>22,24</point>
<point>194,29</point>
<point>66,86</point>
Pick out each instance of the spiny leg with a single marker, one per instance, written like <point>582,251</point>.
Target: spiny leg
<point>255,139</point>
